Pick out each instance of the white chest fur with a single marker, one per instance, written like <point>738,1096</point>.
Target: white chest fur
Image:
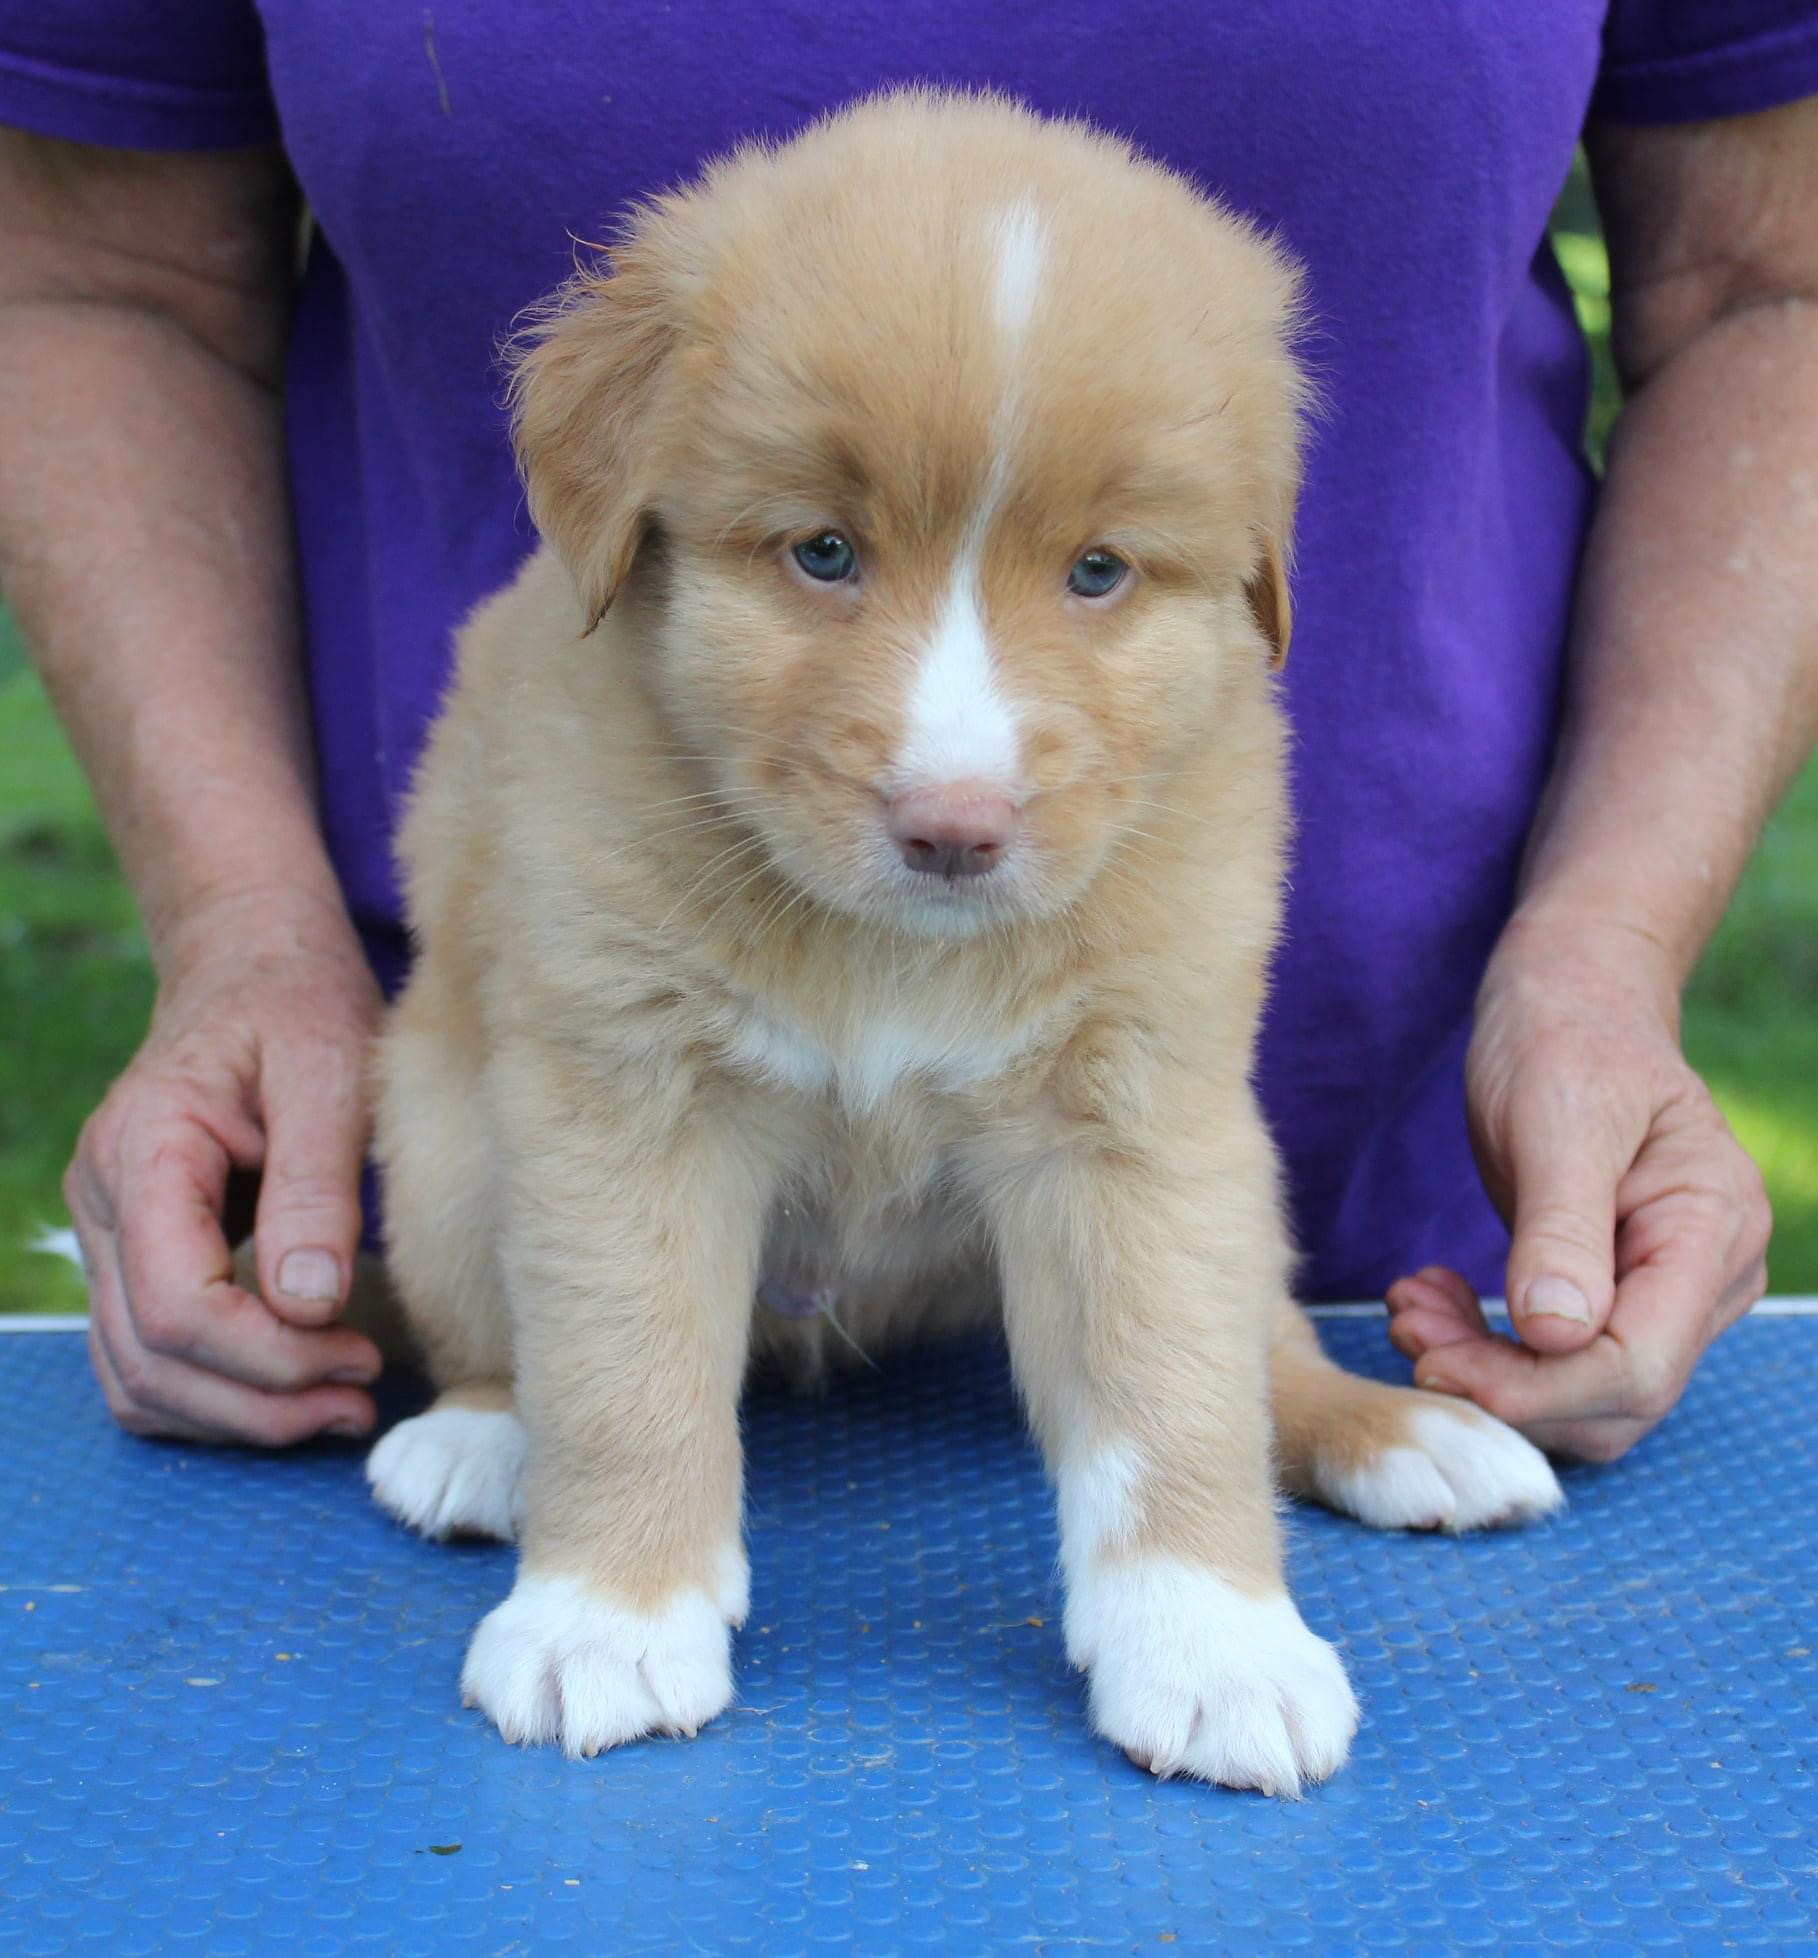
<point>876,1057</point>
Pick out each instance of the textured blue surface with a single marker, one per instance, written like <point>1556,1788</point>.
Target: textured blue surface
<point>231,1724</point>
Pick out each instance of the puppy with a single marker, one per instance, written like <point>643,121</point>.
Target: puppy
<point>844,876</point>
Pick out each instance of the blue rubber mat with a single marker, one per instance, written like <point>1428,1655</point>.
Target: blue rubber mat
<point>231,1722</point>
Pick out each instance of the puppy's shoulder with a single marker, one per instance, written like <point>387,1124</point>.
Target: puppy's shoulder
<point>461,793</point>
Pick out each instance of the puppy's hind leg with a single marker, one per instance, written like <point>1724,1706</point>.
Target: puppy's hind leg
<point>456,1470</point>
<point>1395,1457</point>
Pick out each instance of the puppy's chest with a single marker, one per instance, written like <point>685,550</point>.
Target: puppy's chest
<point>879,1063</point>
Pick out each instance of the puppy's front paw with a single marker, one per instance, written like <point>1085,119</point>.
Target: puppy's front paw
<point>560,1661</point>
<point>1189,1676</point>
<point>1455,1468</point>
<point>454,1471</point>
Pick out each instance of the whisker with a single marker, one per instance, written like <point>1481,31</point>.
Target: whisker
<point>827,1312</point>
<point>705,876</point>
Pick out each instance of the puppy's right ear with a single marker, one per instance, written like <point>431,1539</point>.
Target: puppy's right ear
<point>587,400</point>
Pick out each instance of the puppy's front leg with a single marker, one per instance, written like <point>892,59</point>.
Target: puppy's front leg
<point>631,1256</point>
<point>1138,1279</point>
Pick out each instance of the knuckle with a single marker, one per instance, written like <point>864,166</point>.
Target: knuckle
<point>287,1371</point>
<point>113,1392</point>
<point>162,1324</point>
<point>1558,1225</point>
<point>311,1189</point>
<point>85,1186</point>
<point>1758,1212</point>
<point>131,1419</point>
<point>1507,1402</point>
<point>135,1374</point>
<point>1654,1385</point>
<point>1602,1444</point>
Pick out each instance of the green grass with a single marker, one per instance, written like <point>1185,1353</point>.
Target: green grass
<point>75,988</point>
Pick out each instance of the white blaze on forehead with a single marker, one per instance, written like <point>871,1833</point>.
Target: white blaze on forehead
<point>1021,250</point>
<point>962,727</point>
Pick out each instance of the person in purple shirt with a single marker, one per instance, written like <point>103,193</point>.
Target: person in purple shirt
<point>246,493</point>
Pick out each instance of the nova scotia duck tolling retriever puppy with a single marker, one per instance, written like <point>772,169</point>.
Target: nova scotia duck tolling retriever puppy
<point>844,877</point>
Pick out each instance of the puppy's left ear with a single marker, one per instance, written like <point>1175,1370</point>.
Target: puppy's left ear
<point>1267,594</point>
<point>589,400</point>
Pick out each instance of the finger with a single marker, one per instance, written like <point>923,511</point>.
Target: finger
<point>1587,1441</point>
<point>1526,1388</point>
<point>308,1226</point>
<point>109,1326</point>
<point>1562,1262</point>
<point>175,1279</point>
<point>1434,1307</point>
<point>154,1394</point>
<point>238,1336</point>
<point>1632,1371</point>
<point>1457,1288</point>
<point>133,1418</point>
<point>1742,1297</point>
<point>166,1397</point>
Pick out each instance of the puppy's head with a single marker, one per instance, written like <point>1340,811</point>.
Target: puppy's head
<point>952,455</point>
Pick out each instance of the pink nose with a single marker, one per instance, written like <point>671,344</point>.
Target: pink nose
<point>960,829</point>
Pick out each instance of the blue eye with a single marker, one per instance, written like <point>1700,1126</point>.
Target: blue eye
<point>828,558</point>
<point>1095,574</point>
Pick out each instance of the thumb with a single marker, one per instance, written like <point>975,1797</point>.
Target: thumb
<point>1562,1263</point>
<point>308,1225</point>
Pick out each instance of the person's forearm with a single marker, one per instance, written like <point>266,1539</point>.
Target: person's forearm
<point>145,547</point>
<point>1693,690</point>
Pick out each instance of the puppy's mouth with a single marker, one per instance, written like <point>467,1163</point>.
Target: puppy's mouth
<point>950,904</point>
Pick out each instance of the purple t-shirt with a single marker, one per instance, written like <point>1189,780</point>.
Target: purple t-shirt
<point>1409,155</point>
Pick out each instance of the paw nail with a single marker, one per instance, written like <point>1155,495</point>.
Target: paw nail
<point>1556,1298</point>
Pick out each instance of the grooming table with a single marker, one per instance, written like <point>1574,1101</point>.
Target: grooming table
<point>231,1721</point>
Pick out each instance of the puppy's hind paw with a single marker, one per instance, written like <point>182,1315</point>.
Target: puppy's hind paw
<point>1456,1468</point>
<point>455,1471</point>
<point>1191,1677</point>
<point>559,1661</point>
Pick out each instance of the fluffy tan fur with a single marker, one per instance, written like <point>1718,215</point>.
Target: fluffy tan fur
<point>668,1030</point>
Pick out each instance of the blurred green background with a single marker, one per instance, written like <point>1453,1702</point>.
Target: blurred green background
<point>75,989</point>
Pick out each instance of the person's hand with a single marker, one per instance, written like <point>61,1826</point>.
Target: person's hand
<point>1640,1225</point>
<point>256,1059</point>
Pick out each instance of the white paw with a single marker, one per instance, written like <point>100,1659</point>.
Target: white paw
<point>452,1471</point>
<point>1189,1676</point>
<point>559,1661</point>
<point>1465,1471</point>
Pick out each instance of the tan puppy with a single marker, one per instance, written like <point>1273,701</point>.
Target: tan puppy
<point>848,862</point>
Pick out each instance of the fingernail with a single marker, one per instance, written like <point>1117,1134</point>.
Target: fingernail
<point>1437,1383</point>
<point>1556,1298</point>
<point>310,1274</point>
<point>347,1430</point>
<point>355,1376</point>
